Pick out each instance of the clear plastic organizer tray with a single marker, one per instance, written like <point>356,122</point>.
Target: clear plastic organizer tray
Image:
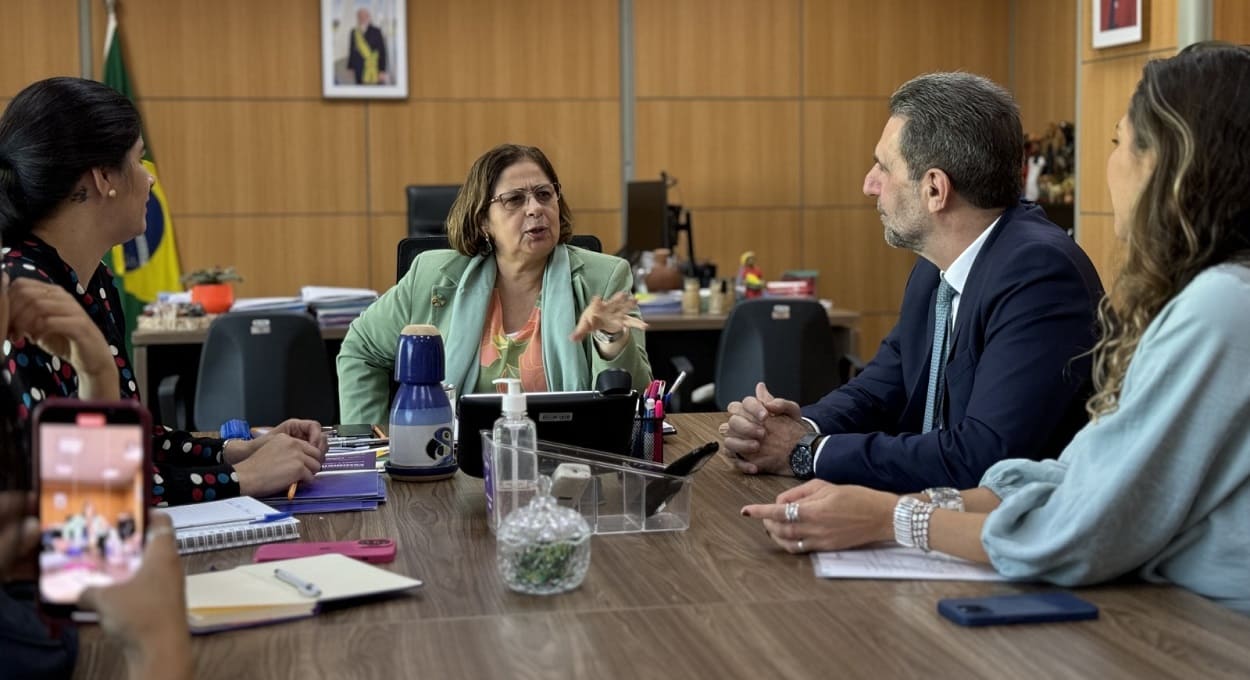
<point>622,495</point>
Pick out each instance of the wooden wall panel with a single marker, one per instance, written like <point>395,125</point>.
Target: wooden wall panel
<point>1108,85</point>
<point>724,153</point>
<point>857,269</point>
<point>1043,55</point>
<point>1105,249</point>
<point>259,157</point>
<point>436,142</point>
<point>277,255</point>
<point>39,42</point>
<point>725,48</point>
<point>487,49</point>
<point>606,224</point>
<point>1108,78</point>
<point>838,140</point>
<point>227,49</point>
<point>873,327</point>
<point>385,232</point>
<point>1158,31</point>
<point>1231,20</point>
<point>867,49</point>
<point>721,236</point>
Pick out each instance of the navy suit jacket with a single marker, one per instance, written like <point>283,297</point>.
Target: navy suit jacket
<point>1016,376</point>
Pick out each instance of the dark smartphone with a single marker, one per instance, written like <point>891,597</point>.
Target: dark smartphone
<point>1025,608</point>
<point>353,430</point>
<point>92,475</point>
<point>658,491</point>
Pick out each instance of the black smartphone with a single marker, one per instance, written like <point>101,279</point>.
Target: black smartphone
<point>92,474</point>
<point>354,430</point>
<point>1025,608</point>
<point>658,491</point>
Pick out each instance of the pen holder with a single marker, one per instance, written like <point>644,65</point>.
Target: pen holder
<point>647,441</point>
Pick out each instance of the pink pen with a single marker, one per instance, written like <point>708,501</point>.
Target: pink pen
<point>658,438</point>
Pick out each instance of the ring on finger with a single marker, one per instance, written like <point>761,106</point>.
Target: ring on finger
<point>801,546</point>
<point>792,513</point>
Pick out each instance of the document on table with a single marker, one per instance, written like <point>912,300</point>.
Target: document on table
<point>888,562</point>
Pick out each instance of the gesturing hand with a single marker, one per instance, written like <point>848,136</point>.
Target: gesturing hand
<point>609,316</point>
<point>49,317</point>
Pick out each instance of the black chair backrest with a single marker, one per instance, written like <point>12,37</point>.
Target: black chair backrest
<point>412,246</point>
<point>264,367</point>
<point>428,206</point>
<point>785,342</point>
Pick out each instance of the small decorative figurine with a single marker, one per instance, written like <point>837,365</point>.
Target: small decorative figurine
<point>750,276</point>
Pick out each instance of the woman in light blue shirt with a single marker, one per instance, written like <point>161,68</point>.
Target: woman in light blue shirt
<point>1158,484</point>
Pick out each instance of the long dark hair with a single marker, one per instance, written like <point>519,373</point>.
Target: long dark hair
<point>1194,210</point>
<point>51,133</point>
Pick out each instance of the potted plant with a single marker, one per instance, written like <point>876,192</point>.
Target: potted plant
<point>211,288</point>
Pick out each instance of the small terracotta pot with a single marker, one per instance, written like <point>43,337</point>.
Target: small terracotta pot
<point>215,298</point>
<point>664,275</point>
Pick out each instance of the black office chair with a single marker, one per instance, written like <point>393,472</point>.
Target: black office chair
<point>785,342</point>
<point>428,206</point>
<point>264,367</point>
<point>412,246</point>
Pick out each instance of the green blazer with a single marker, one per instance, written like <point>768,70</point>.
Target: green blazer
<point>451,292</point>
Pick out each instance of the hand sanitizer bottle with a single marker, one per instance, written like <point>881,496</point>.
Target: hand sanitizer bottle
<point>511,464</point>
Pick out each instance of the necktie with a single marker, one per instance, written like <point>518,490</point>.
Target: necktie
<point>937,358</point>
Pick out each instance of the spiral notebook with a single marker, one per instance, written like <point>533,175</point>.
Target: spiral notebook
<point>229,523</point>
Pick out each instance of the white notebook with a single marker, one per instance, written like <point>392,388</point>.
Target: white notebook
<point>229,523</point>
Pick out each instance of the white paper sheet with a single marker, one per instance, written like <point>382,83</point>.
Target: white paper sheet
<point>888,562</point>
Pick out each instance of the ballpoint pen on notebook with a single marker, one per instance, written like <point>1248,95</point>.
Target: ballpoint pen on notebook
<point>305,588</point>
<point>271,517</point>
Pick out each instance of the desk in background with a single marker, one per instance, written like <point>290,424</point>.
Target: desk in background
<point>717,600</point>
<point>161,353</point>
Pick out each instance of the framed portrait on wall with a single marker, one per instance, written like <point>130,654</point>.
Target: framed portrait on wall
<point>1117,22</point>
<point>364,48</point>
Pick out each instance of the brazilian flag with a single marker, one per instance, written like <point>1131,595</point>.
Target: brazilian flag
<point>147,264</point>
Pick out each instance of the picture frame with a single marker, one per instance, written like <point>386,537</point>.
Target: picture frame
<point>1116,22</point>
<point>364,49</point>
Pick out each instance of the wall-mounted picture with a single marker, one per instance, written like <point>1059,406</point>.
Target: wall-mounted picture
<point>1117,22</point>
<point>364,48</point>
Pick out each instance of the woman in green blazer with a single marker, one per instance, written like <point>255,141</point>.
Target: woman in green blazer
<point>511,299</point>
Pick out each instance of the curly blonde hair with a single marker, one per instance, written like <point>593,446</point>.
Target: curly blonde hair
<point>1190,111</point>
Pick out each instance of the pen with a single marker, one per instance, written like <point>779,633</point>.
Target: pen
<point>271,517</point>
<point>290,493</point>
<point>657,454</point>
<point>677,383</point>
<point>305,588</point>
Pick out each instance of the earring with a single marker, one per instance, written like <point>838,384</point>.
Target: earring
<point>112,193</point>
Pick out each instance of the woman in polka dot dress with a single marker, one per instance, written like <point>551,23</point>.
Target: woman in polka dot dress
<point>72,186</point>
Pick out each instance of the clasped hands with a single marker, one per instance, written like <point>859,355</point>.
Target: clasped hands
<point>291,452</point>
<point>761,432</point>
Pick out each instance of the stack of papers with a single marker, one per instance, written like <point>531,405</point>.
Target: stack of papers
<point>889,562</point>
<point>335,491</point>
<point>269,304</point>
<point>336,306</point>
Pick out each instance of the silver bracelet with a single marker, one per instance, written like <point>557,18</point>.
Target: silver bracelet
<point>946,498</point>
<point>911,522</point>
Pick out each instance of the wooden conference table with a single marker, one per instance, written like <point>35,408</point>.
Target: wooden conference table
<point>715,601</point>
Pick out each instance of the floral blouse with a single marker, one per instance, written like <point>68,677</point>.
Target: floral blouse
<point>511,355</point>
<point>185,469</point>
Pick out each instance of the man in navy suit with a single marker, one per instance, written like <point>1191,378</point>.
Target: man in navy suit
<point>1016,313</point>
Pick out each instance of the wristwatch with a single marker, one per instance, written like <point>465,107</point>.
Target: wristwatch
<point>609,338</point>
<point>802,454</point>
<point>946,498</point>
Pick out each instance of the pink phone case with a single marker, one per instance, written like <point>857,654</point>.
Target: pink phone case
<point>372,550</point>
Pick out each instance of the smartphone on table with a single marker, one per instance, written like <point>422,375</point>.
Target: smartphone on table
<point>92,473</point>
<point>371,550</point>
<point>659,490</point>
<point>1023,608</point>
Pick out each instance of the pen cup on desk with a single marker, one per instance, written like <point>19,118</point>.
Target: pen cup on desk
<point>647,441</point>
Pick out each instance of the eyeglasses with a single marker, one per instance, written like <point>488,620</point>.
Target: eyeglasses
<point>515,200</point>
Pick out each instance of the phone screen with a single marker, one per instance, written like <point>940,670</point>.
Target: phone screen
<point>92,482</point>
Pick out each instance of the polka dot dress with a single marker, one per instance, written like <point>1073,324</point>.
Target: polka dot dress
<point>185,469</point>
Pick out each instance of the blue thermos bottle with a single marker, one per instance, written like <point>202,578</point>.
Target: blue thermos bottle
<point>421,415</point>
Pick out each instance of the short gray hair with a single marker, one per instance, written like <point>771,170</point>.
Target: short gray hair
<point>968,127</point>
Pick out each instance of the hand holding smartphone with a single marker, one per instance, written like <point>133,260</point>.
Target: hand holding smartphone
<point>92,462</point>
<point>1024,608</point>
